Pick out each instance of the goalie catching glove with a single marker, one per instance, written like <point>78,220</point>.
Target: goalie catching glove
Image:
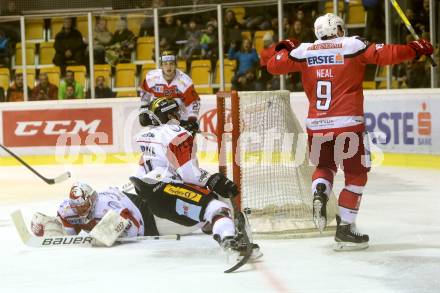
<point>222,186</point>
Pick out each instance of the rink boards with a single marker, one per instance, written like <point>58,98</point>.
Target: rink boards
<point>402,123</point>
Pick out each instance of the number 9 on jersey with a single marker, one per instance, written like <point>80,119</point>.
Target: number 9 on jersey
<point>323,94</point>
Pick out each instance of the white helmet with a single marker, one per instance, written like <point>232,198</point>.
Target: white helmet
<point>327,25</point>
<point>82,198</point>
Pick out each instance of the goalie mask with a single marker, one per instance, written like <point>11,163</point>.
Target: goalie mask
<point>326,26</point>
<point>82,198</point>
<point>162,108</point>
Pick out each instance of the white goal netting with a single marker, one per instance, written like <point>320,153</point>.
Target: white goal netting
<point>272,155</point>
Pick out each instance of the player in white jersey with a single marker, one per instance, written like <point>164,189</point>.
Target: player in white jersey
<point>170,82</point>
<point>85,208</point>
<point>172,183</point>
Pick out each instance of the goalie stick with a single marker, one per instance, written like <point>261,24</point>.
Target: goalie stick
<point>69,241</point>
<point>60,178</point>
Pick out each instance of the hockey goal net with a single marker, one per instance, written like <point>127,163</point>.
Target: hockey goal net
<point>263,147</point>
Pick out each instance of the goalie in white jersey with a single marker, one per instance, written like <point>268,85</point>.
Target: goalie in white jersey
<point>85,208</point>
<point>174,186</point>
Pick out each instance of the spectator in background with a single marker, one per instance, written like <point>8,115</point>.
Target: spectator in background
<point>69,80</point>
<point>232,29</point>
<point>417,71</point>
<point>15,91</point>
<point>5,50</point>
<point>102,91</point>
<point>248,82</point>
<point>247,56</point>
<point>209,43</point>
<point>101,38</point>
<point>147,26</point>
<point>297,32</point>
<point>69,46</point>
<point>171,31</point>
<point>121,45</point>
<point>44,90</point>
<point>267,80</point>
<point>193,35</point>
<point>2,94</point>
<point>247,59</point>
<point>375,26</point>
<point>70,93</point>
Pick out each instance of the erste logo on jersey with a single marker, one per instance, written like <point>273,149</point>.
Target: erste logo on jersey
<point>332,59</point>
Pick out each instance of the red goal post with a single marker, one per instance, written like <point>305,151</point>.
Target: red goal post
<point>271,184</point>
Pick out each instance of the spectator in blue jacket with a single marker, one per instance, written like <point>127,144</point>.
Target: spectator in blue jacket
<point>247,58</point>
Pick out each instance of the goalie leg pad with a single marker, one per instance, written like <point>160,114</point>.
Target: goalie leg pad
<point>109,228</point>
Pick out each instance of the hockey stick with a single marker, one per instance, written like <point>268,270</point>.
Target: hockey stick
<point>409,27</point>
<point>69,241</point>
<point>60,178</point>
<point>241,223</point>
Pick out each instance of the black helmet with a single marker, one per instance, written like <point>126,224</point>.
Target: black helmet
<point>161,107</point>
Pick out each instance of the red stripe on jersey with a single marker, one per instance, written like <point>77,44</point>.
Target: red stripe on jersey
<point>145,87</point>
<point>349,200</point>
<point>126,214</point>
<point>65,222</point>
<point>180,149</point>
<point>202,190</point>
<point>189,96</point>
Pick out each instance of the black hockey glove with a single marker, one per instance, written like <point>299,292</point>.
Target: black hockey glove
<point>144,117</point>
<point>190,125</point>
<point>222,186</point>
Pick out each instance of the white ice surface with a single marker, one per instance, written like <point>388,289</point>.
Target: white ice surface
<point>400,211</point>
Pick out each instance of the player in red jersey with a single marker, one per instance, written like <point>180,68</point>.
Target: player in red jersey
<point>332,70</point>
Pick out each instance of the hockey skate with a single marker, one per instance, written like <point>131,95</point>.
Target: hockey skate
<point>348,238</point>
<point>236,245</point>
<point>320,207</point>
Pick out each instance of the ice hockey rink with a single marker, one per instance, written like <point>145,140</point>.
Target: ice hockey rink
<point>399,211</point>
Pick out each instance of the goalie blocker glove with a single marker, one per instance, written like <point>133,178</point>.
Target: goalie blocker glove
<point>288,44</point>
<point>222,186</point>
<point>421,47</point>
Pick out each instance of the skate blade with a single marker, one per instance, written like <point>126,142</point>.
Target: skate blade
<point>256,254</point>
<point>349,246</point>
<point>318,219</point>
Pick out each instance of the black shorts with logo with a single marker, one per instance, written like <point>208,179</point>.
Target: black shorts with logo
<point>183,204</point>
